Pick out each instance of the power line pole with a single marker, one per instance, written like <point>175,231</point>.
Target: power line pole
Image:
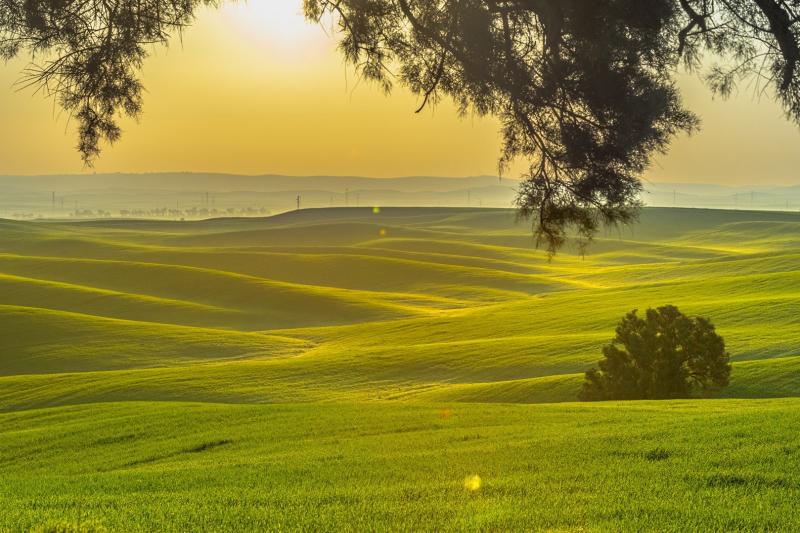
<point>298,202</point>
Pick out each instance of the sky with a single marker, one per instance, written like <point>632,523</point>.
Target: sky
<point>252,88</point>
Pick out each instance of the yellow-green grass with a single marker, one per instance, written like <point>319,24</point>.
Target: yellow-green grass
<point>39,341</point>
<point>344,378</point>
<point>717,465</point>
<point>261,303</point>
<point>278,377</point>
<point>447,316</point>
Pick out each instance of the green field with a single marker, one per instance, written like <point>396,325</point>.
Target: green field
<point>344,369</point>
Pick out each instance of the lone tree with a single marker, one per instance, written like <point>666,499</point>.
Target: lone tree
<point>664,355</point>
<point>584,88</point>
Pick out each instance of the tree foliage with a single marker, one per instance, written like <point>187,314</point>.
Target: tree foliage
<point>88,55</point>
<point>584,89</point>
<point>664,354</point>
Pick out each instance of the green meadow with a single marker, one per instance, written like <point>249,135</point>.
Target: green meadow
<point>356,369</point>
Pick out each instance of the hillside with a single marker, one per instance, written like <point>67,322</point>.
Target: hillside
<point>444,304</point>
<point>236,373</point>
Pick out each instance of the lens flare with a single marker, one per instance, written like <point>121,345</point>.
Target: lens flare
<point>473,483</point>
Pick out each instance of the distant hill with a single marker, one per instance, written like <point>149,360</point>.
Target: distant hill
<point>722,196</point>
<point>178,195</point>
<point>203,195</point>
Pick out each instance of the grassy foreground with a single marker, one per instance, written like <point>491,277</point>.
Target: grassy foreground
<point>671,466</point>
<point>351,369</point>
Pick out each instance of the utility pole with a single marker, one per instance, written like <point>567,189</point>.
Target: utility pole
<point>346,197</point>
<point>298,202</point>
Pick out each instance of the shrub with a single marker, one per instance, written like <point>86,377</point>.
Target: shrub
<point>664,354</point>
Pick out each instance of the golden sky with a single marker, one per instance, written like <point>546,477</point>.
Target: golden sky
<point>252,88</point>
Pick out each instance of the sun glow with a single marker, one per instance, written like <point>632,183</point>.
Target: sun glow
<point>277,22</point>
<point>252,87</point>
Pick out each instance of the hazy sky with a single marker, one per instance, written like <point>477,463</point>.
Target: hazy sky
<point>252,88</point>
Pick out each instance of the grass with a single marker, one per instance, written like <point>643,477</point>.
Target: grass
<point>379,466</point>
<point>345,369</point>
<point>78,343</point>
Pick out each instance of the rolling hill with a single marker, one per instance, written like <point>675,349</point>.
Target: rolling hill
<point>402,303</point>
<point>315,358</point>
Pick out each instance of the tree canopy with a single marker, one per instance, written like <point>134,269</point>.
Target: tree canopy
<point>663,355</point>
<point>585,89</point>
